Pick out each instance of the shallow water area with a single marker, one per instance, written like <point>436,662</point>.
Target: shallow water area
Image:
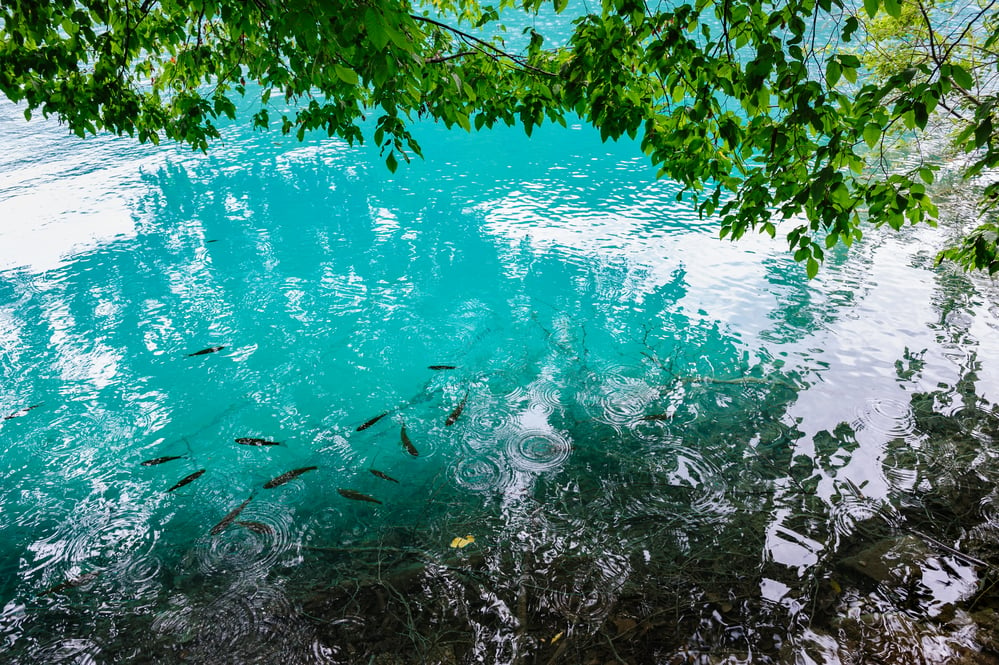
<point>552,418</point>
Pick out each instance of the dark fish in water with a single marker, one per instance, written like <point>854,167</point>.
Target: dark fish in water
<point>257,527</point>
<point>187,479</point>
<point>407,444</point>
<point>212,240</point>
<point>250,441</point>
<point>369,423</point>
<point>357,496</point>
<point>285,477</point>
<point>160,460</point>
<point>453,418</point>
<point>383,476</point>
<point>21,412</point>
<point>69,584</point>
<point>658,416</point>
<point>229,519</point>
<point>204,352</point>
<point>440,367</point>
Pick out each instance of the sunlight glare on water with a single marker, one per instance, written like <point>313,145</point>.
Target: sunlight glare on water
<point>252,399</point>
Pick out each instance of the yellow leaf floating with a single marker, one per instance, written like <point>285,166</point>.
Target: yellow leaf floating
<point>460,542</point>
<point>557,637</point>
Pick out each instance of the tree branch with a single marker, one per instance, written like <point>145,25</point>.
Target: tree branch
<point>444,58</point>
<point>467,38</point>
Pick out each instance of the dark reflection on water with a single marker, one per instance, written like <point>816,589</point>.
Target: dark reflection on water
<point>651,448</point>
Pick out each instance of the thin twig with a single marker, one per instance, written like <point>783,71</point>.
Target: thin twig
<point>519,61</point>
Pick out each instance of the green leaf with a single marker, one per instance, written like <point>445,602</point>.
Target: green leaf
<point>871,6</point>
<point>850,27</point>
<point>833,71</point>
<point>961,77</point>
<point>373,24</point>
<point>982,132</point>
<point>811,268</point>
<point>348,76</point>
<point>391,162</point>
<point>892,7</point>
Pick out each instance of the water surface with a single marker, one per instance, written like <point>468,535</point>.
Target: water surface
<point>667,448</point>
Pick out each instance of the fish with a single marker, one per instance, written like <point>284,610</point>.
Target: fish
<point>160,460</point>
<point>250,441</point>
<point>453,418</point>
<point>658,416</point>
<point>369,423</point>
<point>204,352</point>
<point>853,488</point>
<point>69,584</point>
<point>285,477</point>
<point>230,518</point>
<point>357,496</point>
<point>257,527</point>
<point>407,444</point>
<point>187,479</point>
<point>440,367</point>
<point>383,476</point>
<point>21,412</point>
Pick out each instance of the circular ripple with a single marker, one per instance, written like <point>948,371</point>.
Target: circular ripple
<point>544,395</point>
<point>228,621</point>
<point>326,525</point>
<point>975,421</point>
<point>248,549</point>
<point>890,417</point>
<point>692,470</point>
<point>676,485</point>
<point>989,510</point>
<point>901,479</point>
<point>489,418</point>
<point>615,399</point>
<point>590,595</point>
<point>852,514</point>
<point>102,537</point>
<point>249,622</point>
<point>537,450</point>
<point>179,623</point>
<point>481,474</point>
<point>588,607</point>
<point>141,573</point>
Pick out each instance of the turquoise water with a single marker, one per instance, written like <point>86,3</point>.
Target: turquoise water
<point>665,446</point>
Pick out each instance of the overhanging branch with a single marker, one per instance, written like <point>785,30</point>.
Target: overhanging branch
<point>472,39</point>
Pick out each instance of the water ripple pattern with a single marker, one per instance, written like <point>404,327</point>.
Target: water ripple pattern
<point>537,449</point>
<point>886,417</point>
<point>616,399</point>
<point>482,474</point>
<point>624,413</point>
<point>250,546</point>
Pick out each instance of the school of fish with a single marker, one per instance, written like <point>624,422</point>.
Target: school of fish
<point>259,527</point>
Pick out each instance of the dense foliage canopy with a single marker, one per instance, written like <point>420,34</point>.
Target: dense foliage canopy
<point>767,111</point>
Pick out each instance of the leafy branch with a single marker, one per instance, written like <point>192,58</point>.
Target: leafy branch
<point>482,46</point>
